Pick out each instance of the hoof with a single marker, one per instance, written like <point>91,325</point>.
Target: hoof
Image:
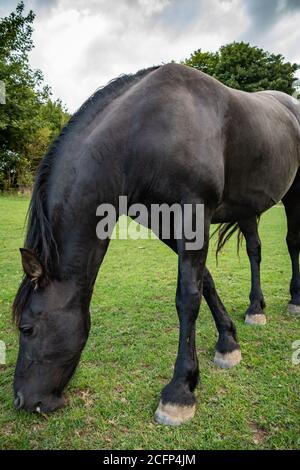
<point>173,415</point>
<point>294,309</point>
<point>228,360</point>
<point>260,319</point>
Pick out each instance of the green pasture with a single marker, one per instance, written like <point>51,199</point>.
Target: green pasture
<point>131,350</point>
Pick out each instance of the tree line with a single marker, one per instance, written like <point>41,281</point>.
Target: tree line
<point>30,119</point>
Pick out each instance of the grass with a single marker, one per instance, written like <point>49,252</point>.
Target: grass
<point>132,346</point>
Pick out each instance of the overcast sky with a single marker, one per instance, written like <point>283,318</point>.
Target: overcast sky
<point>82,44</point>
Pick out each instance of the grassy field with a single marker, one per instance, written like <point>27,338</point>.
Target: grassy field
<point>132,346</point>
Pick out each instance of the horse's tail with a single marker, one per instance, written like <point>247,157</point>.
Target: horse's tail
<point>224,233</point>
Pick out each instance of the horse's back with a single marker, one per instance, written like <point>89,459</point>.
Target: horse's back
<point>188,135</point>
<point>176,133</point>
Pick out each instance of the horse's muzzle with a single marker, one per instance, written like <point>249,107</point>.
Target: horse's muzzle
<point>47,404</point>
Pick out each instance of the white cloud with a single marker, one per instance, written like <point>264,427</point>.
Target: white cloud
<point>82,44</point>
<point>275,27</point>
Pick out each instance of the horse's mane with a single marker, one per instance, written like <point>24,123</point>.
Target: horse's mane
<point>39,233</point>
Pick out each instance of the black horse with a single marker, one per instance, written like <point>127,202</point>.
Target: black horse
<point>167,134</point>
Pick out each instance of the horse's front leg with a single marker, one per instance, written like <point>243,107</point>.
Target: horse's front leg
<point>255,313</point>
<point>178,403</point>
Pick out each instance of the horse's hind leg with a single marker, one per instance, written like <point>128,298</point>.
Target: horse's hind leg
<point>255,314</point>
<point>292,208</point>
<point>228,352</point>
<point>178,402</point>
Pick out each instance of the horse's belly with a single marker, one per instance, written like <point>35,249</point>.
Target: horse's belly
<point>254,195</point>
<point>257,182</point>
<point>231,210</point>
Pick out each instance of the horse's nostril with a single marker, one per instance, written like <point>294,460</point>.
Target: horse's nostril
<point>19,401</point>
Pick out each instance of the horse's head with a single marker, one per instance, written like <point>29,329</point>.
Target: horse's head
<point>54,326</point>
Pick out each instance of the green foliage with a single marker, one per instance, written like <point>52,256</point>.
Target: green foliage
<point>29,119</point>
<point>9,162</point>
<point>246,67</point>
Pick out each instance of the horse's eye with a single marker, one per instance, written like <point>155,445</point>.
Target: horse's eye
<point>27,330</point>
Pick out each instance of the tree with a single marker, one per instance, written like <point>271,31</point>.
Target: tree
<point>246,67</point>
<point>29,115</point>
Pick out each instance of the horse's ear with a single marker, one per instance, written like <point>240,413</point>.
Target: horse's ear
<point>31,264</point>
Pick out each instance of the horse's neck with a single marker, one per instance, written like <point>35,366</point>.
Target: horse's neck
<point>79,183</point>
